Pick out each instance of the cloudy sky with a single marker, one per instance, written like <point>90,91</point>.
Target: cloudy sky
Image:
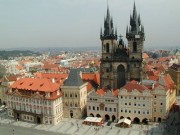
<point>66,23</point>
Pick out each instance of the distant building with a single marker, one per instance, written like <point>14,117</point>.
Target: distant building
<point>35,100</point>
<point>174,71</point>
<point>6,82</point>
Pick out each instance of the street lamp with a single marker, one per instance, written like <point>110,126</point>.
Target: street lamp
<point>13,131</point>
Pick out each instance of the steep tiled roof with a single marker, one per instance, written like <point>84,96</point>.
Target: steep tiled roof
<point>101,92</point>
<point>169,82</point>
<point>59,77</point>
<point>145,56</point>
<point>131,86</point>
<point>74,78</point>
<point>115,92</point>
<point>153,77</point>
<point>35,84</point>
<point>91,76</point>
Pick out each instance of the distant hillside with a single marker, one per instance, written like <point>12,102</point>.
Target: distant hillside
<point>57,50</point>
<point>16,53</point>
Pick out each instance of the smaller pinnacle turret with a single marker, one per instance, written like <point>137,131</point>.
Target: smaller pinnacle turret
<point>135,27</point>
<point>108,26</point>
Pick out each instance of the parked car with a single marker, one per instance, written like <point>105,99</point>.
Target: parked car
<point>1,110</point>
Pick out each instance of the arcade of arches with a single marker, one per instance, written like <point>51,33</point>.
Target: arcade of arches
<point>106,117</point>
<point>112,118</point>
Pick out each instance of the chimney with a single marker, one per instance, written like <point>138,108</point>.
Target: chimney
<point>153,86</point>
<point>53,80</point>
<point>80,74</point>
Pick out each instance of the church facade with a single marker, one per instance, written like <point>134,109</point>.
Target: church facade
<point>121,63</point>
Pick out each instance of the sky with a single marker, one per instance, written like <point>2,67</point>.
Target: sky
<point>77,23</point>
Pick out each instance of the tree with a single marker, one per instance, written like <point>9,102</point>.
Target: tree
<point>2,70</point>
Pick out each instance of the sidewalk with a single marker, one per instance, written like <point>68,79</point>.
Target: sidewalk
<point>75,127</point>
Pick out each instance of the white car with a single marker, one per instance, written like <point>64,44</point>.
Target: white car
<point>2,106</point>
<point>1,110</point>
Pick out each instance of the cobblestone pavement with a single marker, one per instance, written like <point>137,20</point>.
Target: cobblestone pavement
<point>75,127</point>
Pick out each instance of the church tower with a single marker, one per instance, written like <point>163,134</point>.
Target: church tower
<point>114,59</point>
<point>136,37</point>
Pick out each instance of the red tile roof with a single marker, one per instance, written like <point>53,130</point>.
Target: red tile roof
<point>145,55</point>
<point>91,76</point>
<point>115,92</point>
<point>153,77</point>
<point>169,82</point>
<point>101,92</point>
<point>35,84</point>
<point>59,77</point>
<point>131,86</point>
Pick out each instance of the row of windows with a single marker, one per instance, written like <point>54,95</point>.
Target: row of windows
<point>135,111</point>
<point>75,104</point>
<point>48,121</point>
<point>75,94</point>
<point>29,108</point>
<point>29,100</point>
<point>135,104</point>
<point>135,98</point>
<point>93,99</point>
<point>156,103</point>
<point>28,118</point>
<point>108,100</point>
<point>105,109</point>
<point>161,110</point>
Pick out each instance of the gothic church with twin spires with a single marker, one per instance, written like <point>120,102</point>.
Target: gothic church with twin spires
<point>120,63</point>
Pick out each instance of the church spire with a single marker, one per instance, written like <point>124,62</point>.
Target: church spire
<point>134,11</point>
<point>108,26</point>
<point>135,24</point>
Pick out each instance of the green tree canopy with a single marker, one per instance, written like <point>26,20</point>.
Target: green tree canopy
<point>2,70</point>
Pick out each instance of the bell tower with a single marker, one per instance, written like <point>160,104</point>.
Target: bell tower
<point>109,42</point>
<point>136,37</point>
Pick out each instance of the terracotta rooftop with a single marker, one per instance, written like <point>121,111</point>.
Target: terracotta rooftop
<point>35,84</point>
<point>132,86</point>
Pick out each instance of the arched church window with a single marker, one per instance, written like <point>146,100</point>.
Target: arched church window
<point>134,46</point>
<point>107,48</point>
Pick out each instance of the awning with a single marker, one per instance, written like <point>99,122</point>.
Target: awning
<point>93,119</point>
<point>125,120</point>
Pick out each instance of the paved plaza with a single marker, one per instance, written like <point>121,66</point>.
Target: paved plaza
<point>75,127</point>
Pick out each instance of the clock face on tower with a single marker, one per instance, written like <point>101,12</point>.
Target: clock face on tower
<point>137,36</point>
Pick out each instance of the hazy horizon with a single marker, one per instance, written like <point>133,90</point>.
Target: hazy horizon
<point>66,23</point>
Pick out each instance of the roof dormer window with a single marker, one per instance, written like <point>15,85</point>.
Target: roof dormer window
<point>48,94</point>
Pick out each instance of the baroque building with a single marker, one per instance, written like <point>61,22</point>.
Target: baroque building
<point>121,63</point>
<point>35,100</point>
